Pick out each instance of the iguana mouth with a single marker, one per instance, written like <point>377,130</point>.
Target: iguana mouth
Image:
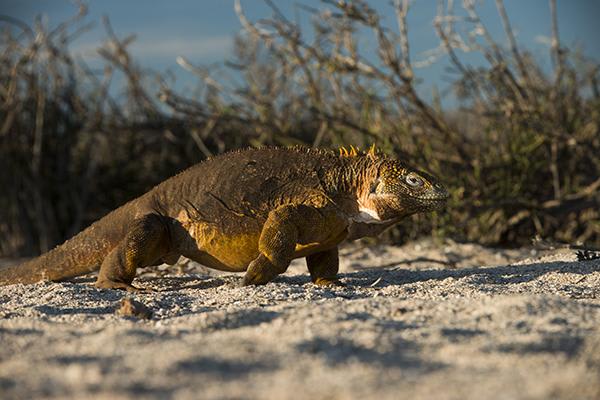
<point>433,199</point>
<point>433,204</point>
<point>436,198</point>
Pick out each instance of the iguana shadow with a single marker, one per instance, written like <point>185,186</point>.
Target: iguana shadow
<point>506,274</point>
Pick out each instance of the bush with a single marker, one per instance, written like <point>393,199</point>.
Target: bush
<point>520,154</point>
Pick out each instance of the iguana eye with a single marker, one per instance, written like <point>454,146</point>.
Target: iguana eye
<point>413,180</point>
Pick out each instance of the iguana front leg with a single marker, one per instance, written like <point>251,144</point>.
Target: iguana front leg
<point>146,242</point>
<point>285,227</point>
<point>323,267</point>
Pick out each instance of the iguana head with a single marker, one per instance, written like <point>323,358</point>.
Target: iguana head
<point>398,190</point>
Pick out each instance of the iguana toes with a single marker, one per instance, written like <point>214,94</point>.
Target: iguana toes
<point>253,210</point>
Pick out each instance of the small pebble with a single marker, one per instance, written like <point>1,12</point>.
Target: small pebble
<point>133,308</point>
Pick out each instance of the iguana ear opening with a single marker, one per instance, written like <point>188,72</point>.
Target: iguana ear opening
<point>374,186</point>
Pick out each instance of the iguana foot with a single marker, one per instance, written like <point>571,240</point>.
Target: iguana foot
<point>257,278</point>
<point>260,272</point>
<point>328,282</point>
<point>122,286</point>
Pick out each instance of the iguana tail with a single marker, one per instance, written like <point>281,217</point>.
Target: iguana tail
<point>77,256</point>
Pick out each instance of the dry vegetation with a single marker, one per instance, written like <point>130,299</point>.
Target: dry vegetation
<point>520,154</point>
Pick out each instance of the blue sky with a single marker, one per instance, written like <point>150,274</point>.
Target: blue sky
<point>203,30</point>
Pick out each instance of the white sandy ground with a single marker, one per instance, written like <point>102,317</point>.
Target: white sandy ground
<point>425,321</point>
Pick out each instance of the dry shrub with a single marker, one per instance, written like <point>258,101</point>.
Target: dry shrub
<point>520,154</point>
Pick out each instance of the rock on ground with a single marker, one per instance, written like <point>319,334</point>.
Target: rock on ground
<point>425,321</point>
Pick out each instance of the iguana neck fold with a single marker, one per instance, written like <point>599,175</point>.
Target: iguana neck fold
<point>353,176</point>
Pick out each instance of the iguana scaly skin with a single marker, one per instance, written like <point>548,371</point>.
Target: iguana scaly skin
<point>252,210</point>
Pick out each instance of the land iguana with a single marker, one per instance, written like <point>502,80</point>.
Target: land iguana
<point>249,210</point>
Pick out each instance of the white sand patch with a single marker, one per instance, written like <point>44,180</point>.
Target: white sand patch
<point>424,321</point>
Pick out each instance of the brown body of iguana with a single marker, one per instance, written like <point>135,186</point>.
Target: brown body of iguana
<point>252,210</point>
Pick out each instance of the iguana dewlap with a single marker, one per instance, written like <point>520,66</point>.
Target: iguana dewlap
<point>253,210</point>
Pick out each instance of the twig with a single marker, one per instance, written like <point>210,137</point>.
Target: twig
<point>557,50</point>
<point>511,39</point>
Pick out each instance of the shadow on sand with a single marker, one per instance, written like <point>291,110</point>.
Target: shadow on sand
<point>508,274</point>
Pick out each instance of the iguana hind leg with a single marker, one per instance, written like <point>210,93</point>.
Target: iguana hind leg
<point>146,242</point>
<point>323,267</point>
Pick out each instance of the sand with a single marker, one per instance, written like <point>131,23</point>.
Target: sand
<point>423,321</point>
